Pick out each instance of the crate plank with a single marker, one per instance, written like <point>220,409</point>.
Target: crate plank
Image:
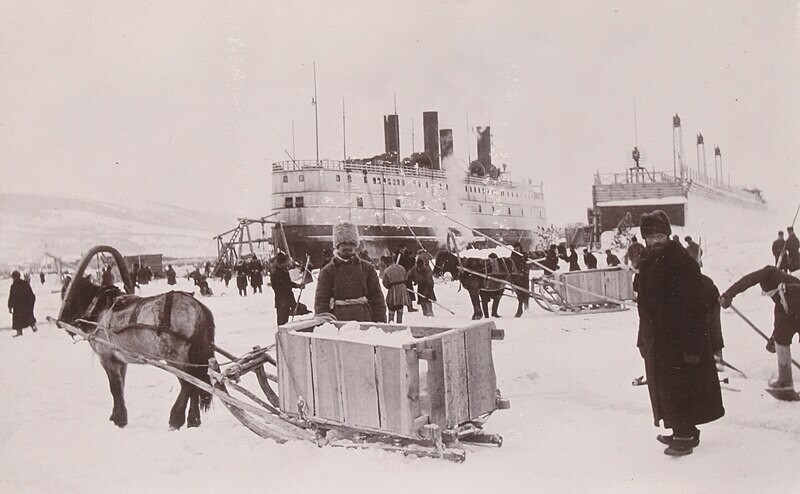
<point>480,371</point>
<point>409,383</point>
<point>294,372</point>
<point>359,390</point>
<point>327,379</point>
<point>391,395</point>
<point>435,382</point>
<point>455,379</point>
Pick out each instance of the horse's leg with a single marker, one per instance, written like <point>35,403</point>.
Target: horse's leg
<point>485,303</point>
<point>193,420</point>
<point>476,304</point>
<point>496,302</point>
<point>115,370</point>
<point>177,416</point>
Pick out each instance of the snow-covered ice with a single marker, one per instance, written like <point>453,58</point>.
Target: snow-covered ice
<point>576,423</point>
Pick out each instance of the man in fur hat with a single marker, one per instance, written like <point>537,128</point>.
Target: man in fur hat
<point>348,288</point>
<point>21,301</point>
<point>283,285</point>
<point>673,340</point>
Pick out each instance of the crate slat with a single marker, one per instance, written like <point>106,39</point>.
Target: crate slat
<point>480,371</point>
<point>456,390</point>
<point>390,363</point>
<point>294,372</point>
<point>328,379</point>
<point>359,389</point>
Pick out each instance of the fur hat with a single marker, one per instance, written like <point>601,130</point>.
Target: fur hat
<point>655,222</point>
<point>345,232</point>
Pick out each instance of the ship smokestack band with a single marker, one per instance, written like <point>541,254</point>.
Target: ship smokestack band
<point>485,146</point>
<point>430,127</point>
<point>391,135</point>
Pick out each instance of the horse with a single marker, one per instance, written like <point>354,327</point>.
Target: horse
<point>173,327</point>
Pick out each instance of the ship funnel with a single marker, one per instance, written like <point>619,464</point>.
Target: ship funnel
<point>391,136</point>
<point>485,146</point>
<point>430,127</point>
<point>678,165</point>
<point>718,164</point>
<point>701,156</point>
<point>676,120</point>
<point>446,144</point>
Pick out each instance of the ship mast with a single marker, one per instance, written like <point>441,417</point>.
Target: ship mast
<point>316,116</point>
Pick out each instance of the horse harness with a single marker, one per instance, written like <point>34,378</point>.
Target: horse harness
<point>163,313</point>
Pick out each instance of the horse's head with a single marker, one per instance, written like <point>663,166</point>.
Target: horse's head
<point>81,291</point>
<point>79,295</point>
<point>445,262</point>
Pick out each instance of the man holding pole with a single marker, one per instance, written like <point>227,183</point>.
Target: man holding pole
<point>784,290</point>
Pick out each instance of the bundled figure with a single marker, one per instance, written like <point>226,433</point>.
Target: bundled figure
<point>521,278</point>
<point>255,269</point>
<point>551,260</point>
<point>792,250</point>
<point>283,286</point>
<point>171,275</point>
<point>107,277</point>
<point>348,288</point>
<point>406,259</point>
<point>779,253</point>
<point>784,290</point>
<point>21,301</point>
<point>634,253</point>
<point>241,278</point>
<point>394,280</point>
<point>694,250</point>
<point>422,275</point>
<point>674,340</point>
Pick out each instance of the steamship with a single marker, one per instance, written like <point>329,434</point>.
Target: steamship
<point>403,202</point>
<point>691,198</point>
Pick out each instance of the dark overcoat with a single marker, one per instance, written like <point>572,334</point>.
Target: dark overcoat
<point>423,277</point>
<point>349,280</point>
<point>21,301</point>
<point>673,318</point>
<point>394,279</point>
<point>282,285</point>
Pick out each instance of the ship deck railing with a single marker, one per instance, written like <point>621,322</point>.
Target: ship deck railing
<point>385,168</point>
<point>639,175</point>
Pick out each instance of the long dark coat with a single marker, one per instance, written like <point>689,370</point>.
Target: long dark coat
<point>572,259</point>
<point>521,277</point>
<point>793,252</point>
<point>673,318</point>
<point>21,300</point>
<point>282,285</point>
<point>349,280</point>
<point>423,277</point>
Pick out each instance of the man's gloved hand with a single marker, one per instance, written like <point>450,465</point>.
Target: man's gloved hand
<point>691,358</point>
<point>725,301</point>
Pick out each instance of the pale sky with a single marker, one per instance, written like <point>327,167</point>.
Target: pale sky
<point>189,102</point>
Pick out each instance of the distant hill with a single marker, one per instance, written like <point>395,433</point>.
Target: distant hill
<point>30,223</point>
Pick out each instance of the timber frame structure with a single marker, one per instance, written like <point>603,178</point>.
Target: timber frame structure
<point>229,243</point>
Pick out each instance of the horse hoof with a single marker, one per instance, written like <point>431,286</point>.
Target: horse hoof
<point>193,424</point>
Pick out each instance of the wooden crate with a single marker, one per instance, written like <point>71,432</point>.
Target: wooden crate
<point>615,283</point>
<point>442,376</point>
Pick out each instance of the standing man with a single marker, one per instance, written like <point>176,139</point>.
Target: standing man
<point>779,253</point>
<point>572,259</point>
<point>634,253</point>
<point>521,278</point>
<point>394,280</point>
<point>283,286</point>
<point>348,288</point>
<point>694,250</point>
<point>784,290</point>
<point>241,278</point>
<point>422,275</point>
<point>171,275</point>
<point>406,259</point>
<point>673,338</point>
<point>792,250</point>
<point>589,259</point>
<point>20,305</point>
